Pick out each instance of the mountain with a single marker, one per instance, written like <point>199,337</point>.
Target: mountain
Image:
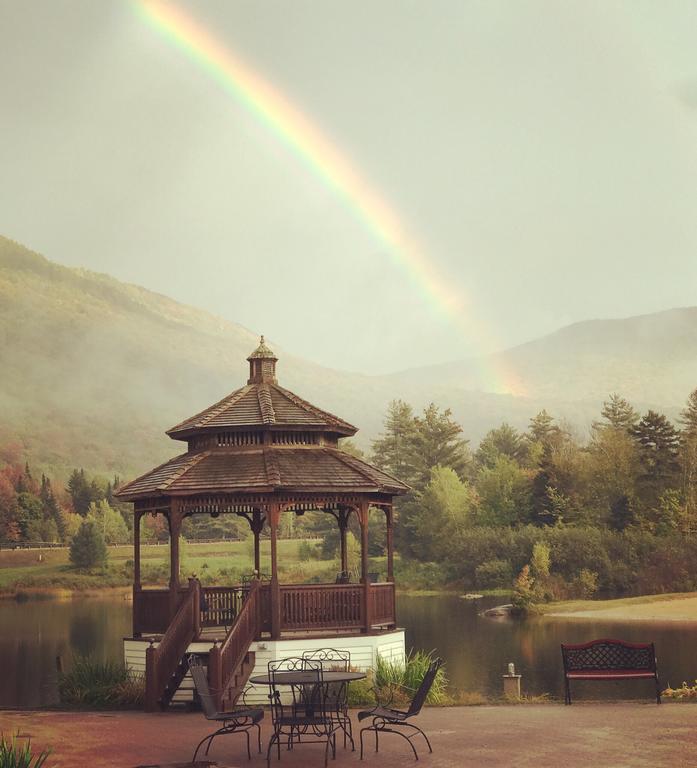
<point>93,370</point>
<point>648,358</point>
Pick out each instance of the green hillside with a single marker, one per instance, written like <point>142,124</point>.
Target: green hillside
<point>94,370</point>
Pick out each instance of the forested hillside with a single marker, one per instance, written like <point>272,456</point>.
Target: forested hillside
<point>94,371</point>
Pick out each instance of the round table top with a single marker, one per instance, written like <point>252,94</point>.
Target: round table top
<point>298,677</point>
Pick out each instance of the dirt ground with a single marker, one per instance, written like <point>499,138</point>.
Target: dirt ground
<point>600,735</point>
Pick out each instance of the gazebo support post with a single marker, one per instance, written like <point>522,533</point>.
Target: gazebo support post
<point>274,515</point>
<point>257,526</point>
<point>175,525</point>
<point>390,550</point>
<point>136,571</point>
<point>365,579</point>
<point>342,520</point>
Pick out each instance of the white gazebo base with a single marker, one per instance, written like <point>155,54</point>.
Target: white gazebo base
<point>364,650</point>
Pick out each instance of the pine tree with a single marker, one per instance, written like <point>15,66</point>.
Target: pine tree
<point>688,459</point>
<point>659,444</point>
<point>87,548</point>
<point>542,428</point>
<point>618,414</point>
<point>390,451</point>
<point>688,416</point>
<point>51,509</point>
<point>81,492</point>
<point>504,441</point>
<point>435,442</point>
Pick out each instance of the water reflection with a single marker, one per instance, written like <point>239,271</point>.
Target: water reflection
<point>476,650</point>
<point>34,633</point>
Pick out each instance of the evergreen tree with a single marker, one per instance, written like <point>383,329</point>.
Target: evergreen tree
<point>503,441</point>
<point>688,416</point>
<point>659,444</point>
<point>688,459</point>
<point>391,450</point>
<point>50,505</point>
<point>435,442</point>
<point>618,414</point>
<point>87,548</point>
<point>621,513</point>
<point>82,493</point>
<point>542,428</point>
<point>29,515</point>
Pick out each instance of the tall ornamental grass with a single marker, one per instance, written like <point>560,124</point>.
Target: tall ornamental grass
<point>16,755</point>
<point>403,679</point>
<point>100,685</point>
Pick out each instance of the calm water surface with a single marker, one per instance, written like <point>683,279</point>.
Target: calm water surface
<point>476,649</point>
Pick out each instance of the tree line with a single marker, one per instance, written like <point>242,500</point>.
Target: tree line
<point>626,496</point>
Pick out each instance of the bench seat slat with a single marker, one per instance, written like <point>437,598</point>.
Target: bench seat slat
<point>614,674</point>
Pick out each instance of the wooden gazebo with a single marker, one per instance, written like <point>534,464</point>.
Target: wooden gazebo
<point>260,452</point>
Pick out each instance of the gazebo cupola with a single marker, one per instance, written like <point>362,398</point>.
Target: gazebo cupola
<point>262,365</point>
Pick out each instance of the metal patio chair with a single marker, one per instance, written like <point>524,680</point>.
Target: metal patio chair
<point>389,720</point>
<point>336,692</point>
<point>239,720</point>
<point>298,706</point>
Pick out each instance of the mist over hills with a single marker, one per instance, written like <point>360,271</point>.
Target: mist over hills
<point>94,370</point>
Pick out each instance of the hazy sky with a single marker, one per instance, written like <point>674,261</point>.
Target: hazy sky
<point>544,154</point>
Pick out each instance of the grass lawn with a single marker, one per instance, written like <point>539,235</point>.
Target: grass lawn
<point>220,562</point>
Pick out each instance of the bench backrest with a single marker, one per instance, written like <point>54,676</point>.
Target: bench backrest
<point>608,654</point>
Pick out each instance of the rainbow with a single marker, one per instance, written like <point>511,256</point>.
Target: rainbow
<point>303,137</point>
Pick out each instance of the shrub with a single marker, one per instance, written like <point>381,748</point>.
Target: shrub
<point>87,548</point>
<point>103,685</point>
<point>307,551</point>
<point>14,755</point>
<point>523,590</point>
<point>494,573</point>
<point>586,583</point>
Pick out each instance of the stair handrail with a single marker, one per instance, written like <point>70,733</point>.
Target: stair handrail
<point>161,661</point>
<point>225,659</point>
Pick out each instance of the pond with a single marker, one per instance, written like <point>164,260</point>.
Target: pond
<point>476,649</point>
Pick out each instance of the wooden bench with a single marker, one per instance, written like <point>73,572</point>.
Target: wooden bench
<point>609,660</point>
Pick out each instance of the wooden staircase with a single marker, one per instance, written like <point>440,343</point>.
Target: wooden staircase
<point>239,681</point>
<point>165,664</point>
<point>229,664</point>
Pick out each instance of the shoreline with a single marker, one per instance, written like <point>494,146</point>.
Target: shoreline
<point>671,607</point>
<point>21,594</point>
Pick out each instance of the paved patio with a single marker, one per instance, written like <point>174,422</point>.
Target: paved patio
<point>586,734</point>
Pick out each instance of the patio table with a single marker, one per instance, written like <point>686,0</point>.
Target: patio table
<point>300,677</point>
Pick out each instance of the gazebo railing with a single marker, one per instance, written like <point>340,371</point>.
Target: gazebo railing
<point>382,604</point>
<point>220,605</point>
<point>310,607</point>
<point>320,606</point>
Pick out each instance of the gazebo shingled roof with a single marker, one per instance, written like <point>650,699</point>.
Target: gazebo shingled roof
<point>262,438</point>
<point>261,403</point>
<point>263,469</point>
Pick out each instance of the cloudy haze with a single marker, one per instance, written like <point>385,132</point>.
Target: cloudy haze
<point>543,153</point>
